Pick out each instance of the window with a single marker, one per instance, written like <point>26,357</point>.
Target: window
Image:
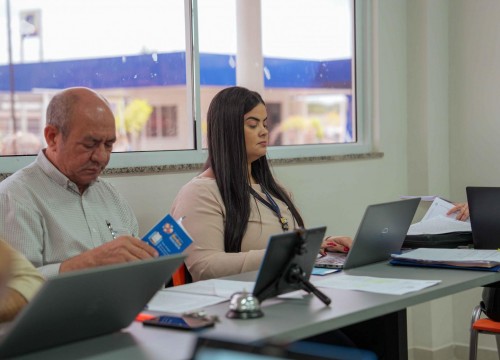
<point>162,122</point>
<point>136,56</point>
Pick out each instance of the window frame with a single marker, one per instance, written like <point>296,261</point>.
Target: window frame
<point>362,106</point>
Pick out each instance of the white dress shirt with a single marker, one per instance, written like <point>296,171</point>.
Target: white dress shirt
<point>44,216</point>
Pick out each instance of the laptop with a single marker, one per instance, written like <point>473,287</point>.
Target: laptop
<point>284,251</point>
<point>380,234</point>
<point>484,210</point>
<point>88,303</point>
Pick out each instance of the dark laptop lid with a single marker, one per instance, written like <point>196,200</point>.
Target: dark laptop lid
<point>381,232</point>
<point>484,210</point>
<point>83,304</point>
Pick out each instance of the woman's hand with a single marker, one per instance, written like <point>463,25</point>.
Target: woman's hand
<point>336,243</point>
<point>462,210</point>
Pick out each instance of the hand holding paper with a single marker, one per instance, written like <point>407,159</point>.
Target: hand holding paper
<point>436,220</point>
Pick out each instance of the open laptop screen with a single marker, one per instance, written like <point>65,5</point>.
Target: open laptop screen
<point>82,304</point>
<point>381,233</point>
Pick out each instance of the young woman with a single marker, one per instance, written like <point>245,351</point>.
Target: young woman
<point>233,207</point>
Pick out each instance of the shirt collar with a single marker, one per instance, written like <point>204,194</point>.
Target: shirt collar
<point>53,172</point>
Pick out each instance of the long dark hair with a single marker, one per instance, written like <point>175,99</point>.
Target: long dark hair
<point>228,159</point>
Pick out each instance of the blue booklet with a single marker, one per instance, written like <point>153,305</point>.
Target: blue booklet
<point>168,237</point>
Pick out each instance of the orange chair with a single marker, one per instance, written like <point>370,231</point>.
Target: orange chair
<point>482,326</point>
<point>181,276</point>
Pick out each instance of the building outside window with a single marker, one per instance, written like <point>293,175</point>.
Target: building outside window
<point>134,53</point>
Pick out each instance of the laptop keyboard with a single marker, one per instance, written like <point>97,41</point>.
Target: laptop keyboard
<point>331,259</point>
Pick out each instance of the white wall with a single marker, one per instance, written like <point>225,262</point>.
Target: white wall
<point>474,94</point>
<point>428,144</point>
<point>453,57</point>
<point>474,112</point>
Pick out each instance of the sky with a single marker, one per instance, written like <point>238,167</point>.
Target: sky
<point>79,29</point>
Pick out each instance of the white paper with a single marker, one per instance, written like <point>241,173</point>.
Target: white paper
<point>215,287</point>
<point>387,286</point>
<point>436,220</point>
<point>438,225</point>
<point>439,207</point>
<point>178,302</point>
<point>294,295</point>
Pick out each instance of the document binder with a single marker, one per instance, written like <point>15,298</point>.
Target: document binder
<point>465,259</point>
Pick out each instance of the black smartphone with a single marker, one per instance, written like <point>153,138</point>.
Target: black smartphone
<point>180,322</point>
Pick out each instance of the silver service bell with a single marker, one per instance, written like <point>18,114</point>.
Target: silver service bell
<point>244,305</point>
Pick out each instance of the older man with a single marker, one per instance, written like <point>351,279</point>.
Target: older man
<point>19,282</point>
<point>57,211</point>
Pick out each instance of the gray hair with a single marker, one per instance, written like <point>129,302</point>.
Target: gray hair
<point>60,111</point>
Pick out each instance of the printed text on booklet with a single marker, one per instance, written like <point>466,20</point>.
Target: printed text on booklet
<point>168,237</point>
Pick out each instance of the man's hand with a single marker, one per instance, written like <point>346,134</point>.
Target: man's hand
<point>11,303</point>
<point>122,249</point>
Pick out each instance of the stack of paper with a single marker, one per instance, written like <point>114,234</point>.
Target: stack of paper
<point>456,258</point>
<point>197,295</point>
<point>435,221</point>
<point>379,285</point>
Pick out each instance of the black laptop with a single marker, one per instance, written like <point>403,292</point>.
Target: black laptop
<point>381,233</point>
<point>83,304</point>
<point>484,210</point>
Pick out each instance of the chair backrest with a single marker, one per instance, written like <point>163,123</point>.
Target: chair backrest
<point>481,326</point>
<point>181,276</point>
